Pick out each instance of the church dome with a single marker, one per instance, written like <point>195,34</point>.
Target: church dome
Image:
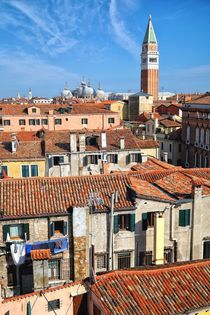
<point>66,92</point>
<point>100,93</point>
<point>88,91</point>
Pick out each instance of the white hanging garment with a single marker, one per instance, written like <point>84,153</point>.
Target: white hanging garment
<point>18,252</point>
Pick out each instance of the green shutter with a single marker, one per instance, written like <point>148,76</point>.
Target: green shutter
<point>116,224</point>
<point>25,171</point>
<point>50,162</point>
<point>26,230</point>
<point>144,221</point>
<point>128,159</point>
<point>132,222</point>
<point>182,218</point>
<point>65,228</point>
<point>139,160</point>
<point>52,228</point>
<point>5,231</point>
<point>34,170</point>
<point>187,217</point>
<point>85,160</point>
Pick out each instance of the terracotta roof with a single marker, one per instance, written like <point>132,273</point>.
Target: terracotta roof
<point>169,290</point>
<point>58,141</point>
<point>21,109</point>
<point>201,99</point>
<point>143,117</point>
<point>40,254</point>
<point>152,164</point>
<point>168,123</point>
<point>45,196</point>
<point>175,135</point>
<point>30,146</point>
<point>49,195</point>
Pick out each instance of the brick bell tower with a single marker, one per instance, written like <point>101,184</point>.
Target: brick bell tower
<point>150,62</point>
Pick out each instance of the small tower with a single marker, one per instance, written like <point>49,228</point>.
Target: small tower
<point>30,94</point>
<point>150,62</point>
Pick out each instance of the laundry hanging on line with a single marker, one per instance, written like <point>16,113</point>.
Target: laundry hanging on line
<point>18,252</point>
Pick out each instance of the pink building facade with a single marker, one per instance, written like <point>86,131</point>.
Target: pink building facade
<point>55,117</point>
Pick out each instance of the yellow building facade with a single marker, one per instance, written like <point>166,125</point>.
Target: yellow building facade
<point>23,168</point>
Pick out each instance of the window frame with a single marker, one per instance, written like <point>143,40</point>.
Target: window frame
<point>145,258</point>
<point>22,122</point>
<point>58,121</point>
<point>84,121</point>
<point>101,261</point>
<point>44,121</point>
<point>59,157</point>
<point>53,305</point>
<point>111,120</point>
<point>2,169</point>
<point>57,269</point>
<point>112,158</point>
<point>124,258</point>
<point>29,170</point>
<point>7,122</point>
<point>184,217</point>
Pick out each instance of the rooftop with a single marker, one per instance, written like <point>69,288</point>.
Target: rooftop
<point>152,291</point>
<point>46,196</point>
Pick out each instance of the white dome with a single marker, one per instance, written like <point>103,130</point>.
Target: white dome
<point>87,91</point>
<point>100,93</point>
<point>66,93</point>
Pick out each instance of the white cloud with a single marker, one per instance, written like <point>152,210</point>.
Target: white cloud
<point>21,69</point>
<point>122,35</point>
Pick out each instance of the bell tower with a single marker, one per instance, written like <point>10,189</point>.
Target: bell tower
<point>150,62</point>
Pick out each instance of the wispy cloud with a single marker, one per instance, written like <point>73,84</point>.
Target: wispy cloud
<point>20,69</point>
<point>121,34</point>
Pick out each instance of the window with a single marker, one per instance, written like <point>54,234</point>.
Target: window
<point>16,231</point>
<point>33,110</point>
<point>57,160</point>
<point>32,122</point>
<point>84,121</point>
<point>91,159</point>
<point>53,305</point>
<point>44,121</point>
<point>22,122</point>
<point>197,134</point>
<point>145,258</point>
<point>168,255</point>
<point>91,140</point>
<point>58,121</point>
<point>124,222</point>
<point>152,59</point>
<point>101,261</point>
<point>29,170</point>
<point>180,147</point>
<point>124,260</point>
<point>170,147</point>
<point>11,275</point>
<point>148,220</point>
<point>7,122</point>
<point>111,120</point>
<point>54,269</point>
<point>188,133</point>
<point>58,227</point>
<point>134,157</point>
<point>184,217</point>
<point>144,60</point>
<point>206,249</point>
<point>3,171</point>
<point>112,158</point>
<point>161,145</point>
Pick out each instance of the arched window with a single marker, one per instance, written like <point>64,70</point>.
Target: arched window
<point>202,136</point>
<point>207,136</point>
<point>188,132</point>
<point>196,159</point>
<point>187,157</point>
<point>197,134</point>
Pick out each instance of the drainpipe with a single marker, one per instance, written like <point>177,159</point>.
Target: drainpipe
<point>71,244</point>
<point>111,232</point>
<point>172,239</point>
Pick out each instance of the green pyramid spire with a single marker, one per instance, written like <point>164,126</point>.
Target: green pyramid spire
<point>150,37</point>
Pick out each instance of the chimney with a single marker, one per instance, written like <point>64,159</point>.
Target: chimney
<point>159,239</point>
<point>144,157</point>
<point>122,143</point>
<point>14,142</point>
<point>143,135</point>
<point>82,141</point>
<point>103,139</point>
<point>156,123</point>
<point>73,142</point>
<point>155,137</point>
<point>165,156</point>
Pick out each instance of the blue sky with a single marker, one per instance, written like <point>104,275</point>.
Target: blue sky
<point>45,43</point>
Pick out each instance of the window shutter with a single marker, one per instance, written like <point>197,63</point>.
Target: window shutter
<point>85,160</point>
<point>52,228</point>
<point>116,224</point>
<point>25,171</point>
<point>139,160</point>
<point>50,162</point>
<point>187,217</point>
<point>132,222</point>
<point>65,228</point>
<point>5,231</point>
<point>26,230</point>
<point>182,218</point>
<point>128,159</point>
<point>144,221</point>
<point>34,170</point>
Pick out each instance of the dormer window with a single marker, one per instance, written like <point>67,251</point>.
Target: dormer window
<point>33,110</point>
<point>92,140</point>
